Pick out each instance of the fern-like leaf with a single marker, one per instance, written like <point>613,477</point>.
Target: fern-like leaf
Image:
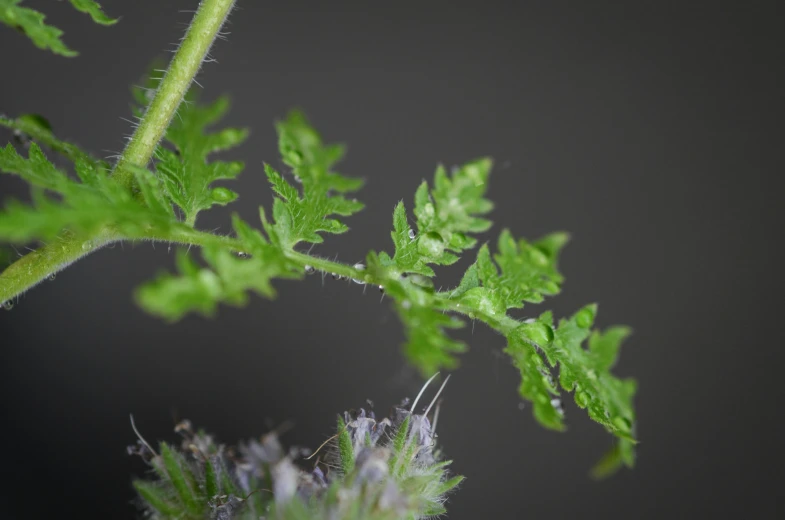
<point>93,8</point>
<point>31,22</point>
<point>91,205</point>
<point>227,278</point>
<point>301,216</point>
<point>185,169</point>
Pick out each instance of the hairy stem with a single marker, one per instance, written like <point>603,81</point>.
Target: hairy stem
<point>40,264</point>
<point>175,83</point>
<point>44,262</point>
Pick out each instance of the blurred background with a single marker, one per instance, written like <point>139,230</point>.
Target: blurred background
<point>650,131</point>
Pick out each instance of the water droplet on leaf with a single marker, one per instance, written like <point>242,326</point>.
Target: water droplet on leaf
<point>431,244</point>
<point>622,423</point>
<point>8,305</point>
<point>222,195</point>
<point>537,332</point>
<point>583,399</point>
<point>538,257</point>
<point>584,318</point>
<point>309,269</point>
<point>359,267</point>
<point>51,277</point>
<point>412,234</point>
<point>421,281</point>
<point>484,300</point>
<point>87,246</point>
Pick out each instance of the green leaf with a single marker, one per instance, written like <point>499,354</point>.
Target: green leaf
<point>96,203</point>
<point>31,22</point>
<point>622,454</point>
<point>536,382</point>
<point>398,445</point>
<point>186,171</point>
<point>448,485</point>
<point>345,448</point>
<point>94,10</point>
<point>585,372</point>
<point>211,485</point>
<point>36,169</point>
<point>38,128</point>
<point>428,347</point>
<point>156,497</point>
<point>301,215</point>
<point>528,271</point>
<point>176,472</point>
<point>445,215</point>
<point>226,279</point>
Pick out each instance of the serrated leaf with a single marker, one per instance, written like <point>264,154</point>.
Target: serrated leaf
<point>31,22</point>
<point>226,279</point>
<point>301,215</point>
<point>536,382</point>
<point>428,347</point>
<point>526,272</point>
<point>585,372</point>
<point>94,204</point>
<point>37,128</point>
<point>36,169</point>
<point>186,170</point>
<point>444,215</point>
<point>94,10</point>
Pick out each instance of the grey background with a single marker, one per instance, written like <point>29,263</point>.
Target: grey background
<point>652,131</point>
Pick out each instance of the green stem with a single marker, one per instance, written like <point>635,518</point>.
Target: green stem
<point>44,262</point>
<point>175,83</point>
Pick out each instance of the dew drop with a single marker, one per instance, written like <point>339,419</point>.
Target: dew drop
<point>222,195</point>
<point>538,257</point>
<point>622,423</point>
<point>412,234</point>
<point>51,277</point>
<point>359,267</point>
<point>337,276</point>
<point>87,246</point>
<point>583,399</point>
<point>309,269</point>
<point>21,138</point>
<point>538,332</point>
<point>431,244</point>
<point>243,254</point>
<point>556,403</point>
<point>584,318</point>
<point>381,289</point>
<point>8,305</point>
